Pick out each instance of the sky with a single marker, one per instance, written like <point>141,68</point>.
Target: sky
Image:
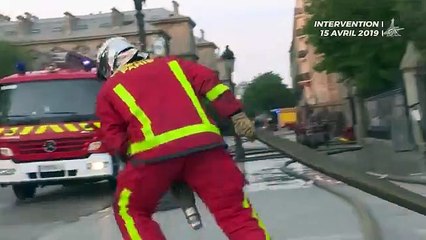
<point>259,32</point>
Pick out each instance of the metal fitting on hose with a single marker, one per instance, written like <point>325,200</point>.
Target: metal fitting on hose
<point>193,217</point>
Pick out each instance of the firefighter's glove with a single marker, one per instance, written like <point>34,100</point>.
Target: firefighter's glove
<point>243,126</point>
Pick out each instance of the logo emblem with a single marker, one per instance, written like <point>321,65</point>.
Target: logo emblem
<point>393,31</point>
<point>49,146</point>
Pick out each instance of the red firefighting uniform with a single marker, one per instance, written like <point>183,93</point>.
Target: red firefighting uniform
<point>151,111</point>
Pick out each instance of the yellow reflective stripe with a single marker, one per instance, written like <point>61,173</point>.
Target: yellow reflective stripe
<point>130,101</point>
<point>215,92</point>
<point>86,126</point>
<point>71,127</point>
<point>246,204</point>
<point>129,223</point>
<point>97,124</point>
<point>27,130</point>
<point>180,76</point>
<point>151,141</point>
<point>56,128</point>
<point>41,130</point>
<point>11,131</point>
<point>171,136</point>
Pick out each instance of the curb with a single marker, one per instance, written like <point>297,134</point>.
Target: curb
<point>414,180</point>
<point>370,228</point>
<point>342,150</point>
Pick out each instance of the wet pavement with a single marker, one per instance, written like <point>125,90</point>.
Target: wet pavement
<point>285,204</point>
<point>53,207</point>
<point>291,209</point>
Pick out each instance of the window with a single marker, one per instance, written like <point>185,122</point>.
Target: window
<point>81,27</point>
<point>57,50</point>
<point>155,17</point>
<point>105,25</point>
<point>302,53</point>
<point>298,11</point>
<point>303,76</point>
<point>48,101</point>
<point>129,22</point>
<point>57,29</point>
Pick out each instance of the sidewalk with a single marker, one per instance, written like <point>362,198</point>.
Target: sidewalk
<point>378,158</point>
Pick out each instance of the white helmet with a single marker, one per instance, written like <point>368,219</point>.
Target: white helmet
<point>114,53</point>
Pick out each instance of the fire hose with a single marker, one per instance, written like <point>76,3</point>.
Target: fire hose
<point>324,164</point>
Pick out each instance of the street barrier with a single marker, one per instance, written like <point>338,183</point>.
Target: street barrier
<point>324,164</point>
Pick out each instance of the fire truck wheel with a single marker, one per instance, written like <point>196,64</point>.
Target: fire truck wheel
<point>24,191</point>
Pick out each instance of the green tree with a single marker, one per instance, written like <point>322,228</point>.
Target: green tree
<point>412,14</point>
<point>369,61</point>
<point>267,92</point>
<point>9,57</point>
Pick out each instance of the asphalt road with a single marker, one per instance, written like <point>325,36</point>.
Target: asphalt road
<point>291,209</point>
<point>53,206</point>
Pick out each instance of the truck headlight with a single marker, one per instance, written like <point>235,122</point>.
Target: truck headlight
<point>94,146</point>
<point>7,152</point>
<point>97,165</point>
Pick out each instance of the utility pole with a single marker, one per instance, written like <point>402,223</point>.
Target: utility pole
<point>141,23</point>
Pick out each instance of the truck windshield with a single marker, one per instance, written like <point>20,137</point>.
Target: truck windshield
<point>49,101</point>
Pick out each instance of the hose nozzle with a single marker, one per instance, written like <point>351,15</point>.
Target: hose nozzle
<point>193,217</point>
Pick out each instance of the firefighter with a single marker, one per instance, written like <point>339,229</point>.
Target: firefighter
<point>151,114</point>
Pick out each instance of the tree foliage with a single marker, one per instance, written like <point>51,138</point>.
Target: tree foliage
<point>371,62</point>
<point>9,57</point>
<point>412,15</point>
<point>267,92</point>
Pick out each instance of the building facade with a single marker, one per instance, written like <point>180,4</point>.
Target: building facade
<point>322,96</point>
<point>319,88</point>
<point>85,34</point>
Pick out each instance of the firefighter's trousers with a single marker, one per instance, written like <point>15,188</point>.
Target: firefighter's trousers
<point>212,174</point>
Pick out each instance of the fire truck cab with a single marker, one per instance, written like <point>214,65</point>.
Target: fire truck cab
<point>48,128</point>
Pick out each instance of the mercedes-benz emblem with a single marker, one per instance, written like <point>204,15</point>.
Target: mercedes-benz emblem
<point>49,146</point>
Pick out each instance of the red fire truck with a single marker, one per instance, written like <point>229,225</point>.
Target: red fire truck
<point>48,128</point>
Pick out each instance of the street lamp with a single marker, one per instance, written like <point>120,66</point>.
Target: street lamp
<point>141,23</point>
<point>228,58</point>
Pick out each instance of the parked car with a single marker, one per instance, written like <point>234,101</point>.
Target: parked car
<point>312,135</point>
<point>266,122</point>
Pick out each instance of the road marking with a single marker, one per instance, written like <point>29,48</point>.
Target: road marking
<point>312,174</point>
